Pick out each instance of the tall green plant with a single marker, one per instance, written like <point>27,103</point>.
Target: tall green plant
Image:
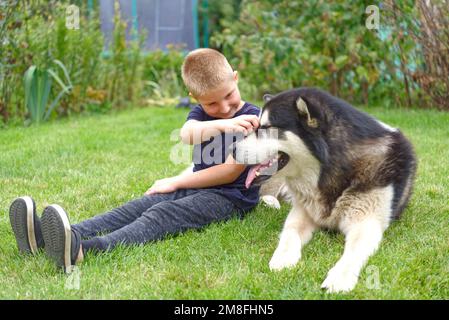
<point>38,84</point>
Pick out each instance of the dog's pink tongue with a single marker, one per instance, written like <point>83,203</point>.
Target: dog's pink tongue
<point>251,175</point>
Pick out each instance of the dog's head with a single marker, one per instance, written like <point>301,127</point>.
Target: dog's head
<point>289,140</point>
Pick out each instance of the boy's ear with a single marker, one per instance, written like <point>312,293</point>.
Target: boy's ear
<point>267,97</point>
<point>192,96</point>
<point>236,76</point>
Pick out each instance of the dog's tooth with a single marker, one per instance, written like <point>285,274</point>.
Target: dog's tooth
<point>257,173</point>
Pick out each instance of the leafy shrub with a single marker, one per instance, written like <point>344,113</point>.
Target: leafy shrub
<point>37,35</point>
<point>422,44</point>
<point>278,45</point>
<point>162,73</point>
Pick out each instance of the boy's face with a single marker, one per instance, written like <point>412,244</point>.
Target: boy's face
<point>222,102</point>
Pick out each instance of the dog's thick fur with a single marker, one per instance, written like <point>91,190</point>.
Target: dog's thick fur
<point>344,170</point>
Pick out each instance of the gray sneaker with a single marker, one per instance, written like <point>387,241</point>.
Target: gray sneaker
<point>26,225</point>
<point>62,244</point>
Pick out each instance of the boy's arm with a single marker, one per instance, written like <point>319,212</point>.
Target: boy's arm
<point>217,175</point>
<point>195,132</point>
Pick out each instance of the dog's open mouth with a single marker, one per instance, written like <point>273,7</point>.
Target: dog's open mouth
<point>263,171</point>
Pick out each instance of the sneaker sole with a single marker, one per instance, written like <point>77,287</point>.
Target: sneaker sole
<point>21,216</point>
<point>57,235</point>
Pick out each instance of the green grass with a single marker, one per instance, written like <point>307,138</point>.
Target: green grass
<point>92,164</point>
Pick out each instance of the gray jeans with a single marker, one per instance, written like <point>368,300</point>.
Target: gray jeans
<point>152,217</point>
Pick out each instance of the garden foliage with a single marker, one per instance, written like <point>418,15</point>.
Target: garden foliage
<point>274,44</point>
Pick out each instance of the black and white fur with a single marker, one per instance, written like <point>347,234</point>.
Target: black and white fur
<point>344,170</point>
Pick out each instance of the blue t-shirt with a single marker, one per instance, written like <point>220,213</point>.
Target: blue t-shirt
<point>215,151</point>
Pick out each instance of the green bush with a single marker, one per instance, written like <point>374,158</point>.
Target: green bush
<point>162,73</point>
<point>37,36</point>
<point>421,43</point>
<point>34,33</point>
<point>277,45</point>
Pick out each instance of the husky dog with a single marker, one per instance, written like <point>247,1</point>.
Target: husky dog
<point>344,170</point>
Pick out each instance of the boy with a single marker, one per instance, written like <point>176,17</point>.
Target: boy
<point>214,191</point>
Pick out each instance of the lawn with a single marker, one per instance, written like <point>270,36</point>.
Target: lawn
<point>91,164</point>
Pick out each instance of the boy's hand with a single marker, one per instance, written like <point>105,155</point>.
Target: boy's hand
<point>166,185</point>
<point>245,123</point>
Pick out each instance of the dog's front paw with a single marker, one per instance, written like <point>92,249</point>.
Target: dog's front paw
<point>281,260</point>
<point>287,253</point>
<point>340,279</point>
<point>271,201</point>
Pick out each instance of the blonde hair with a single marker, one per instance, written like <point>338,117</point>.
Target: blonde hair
<point>205,69</point>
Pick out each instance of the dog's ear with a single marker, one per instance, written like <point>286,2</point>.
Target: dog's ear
<point>304,111</point>
<point>267,97</point>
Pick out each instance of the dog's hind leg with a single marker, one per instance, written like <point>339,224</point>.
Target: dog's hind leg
<point>365,218</point>
<point>297,231</point>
